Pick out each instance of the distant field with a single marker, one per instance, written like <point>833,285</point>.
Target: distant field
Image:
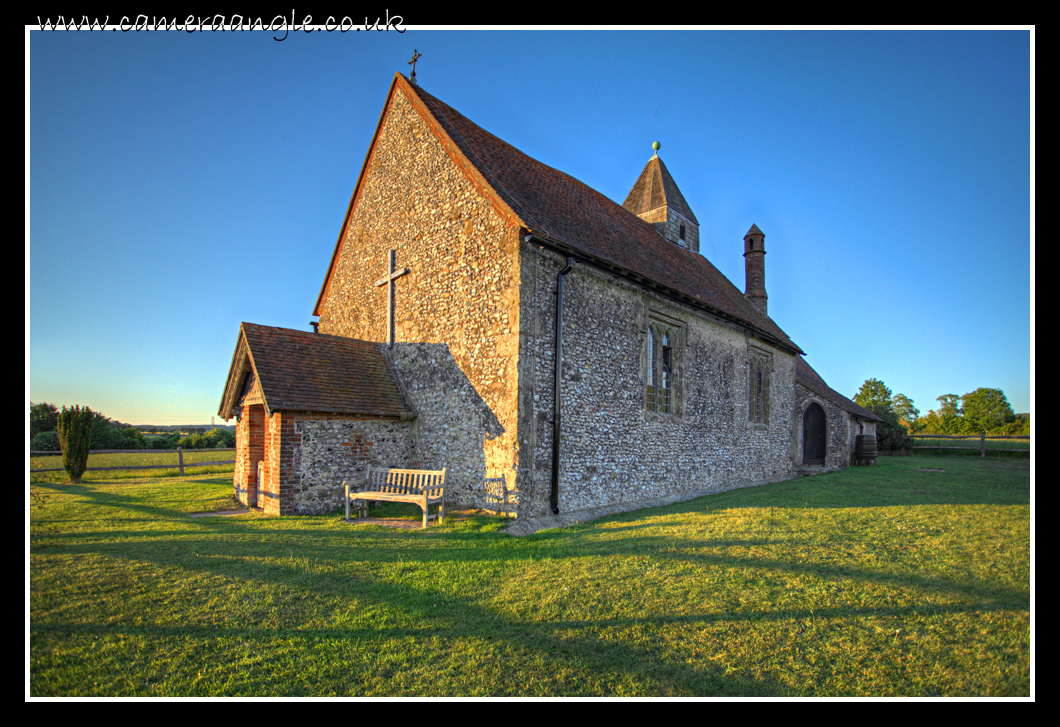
<point>972,444</point>
<point>135,459</point>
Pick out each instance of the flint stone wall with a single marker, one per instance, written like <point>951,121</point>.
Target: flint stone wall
<point>839,441</point>
<point>462,290</point>
<point>453,422</point>
<point>330,451</point>
<point>449,431</point>
<point>613,450</point>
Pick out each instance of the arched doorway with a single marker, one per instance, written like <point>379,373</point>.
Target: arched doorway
<point>813,435</point>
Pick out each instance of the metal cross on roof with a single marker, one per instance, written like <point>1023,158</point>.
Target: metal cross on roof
<point>415,57</point>
<point>392,275</point>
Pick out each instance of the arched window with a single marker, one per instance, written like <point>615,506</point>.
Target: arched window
<point>758,379</point>
<point>660,378</point>
<point>666,374</point>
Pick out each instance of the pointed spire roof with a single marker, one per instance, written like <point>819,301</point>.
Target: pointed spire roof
<point>754,231</point>
<point>656,188</point>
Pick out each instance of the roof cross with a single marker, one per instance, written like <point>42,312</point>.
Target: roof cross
<point>415,57</point>
<point>392,275</point>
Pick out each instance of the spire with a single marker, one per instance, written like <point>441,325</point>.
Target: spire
<point>655,198</point>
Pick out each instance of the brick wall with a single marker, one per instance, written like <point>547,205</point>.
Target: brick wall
<point>250,449</point>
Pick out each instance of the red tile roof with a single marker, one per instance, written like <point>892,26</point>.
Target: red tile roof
<point>809,378</point>
<point>555,205</point>
<point>302,371</point>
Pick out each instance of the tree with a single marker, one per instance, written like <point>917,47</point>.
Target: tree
<point>42,418</point>
<point>902,405</point>
<point>890,434</point>
<point>929,423</point>
<point>986,410</point>
<point>949,414</point>
<point>109,434</point>
<point>873,393</point>
<point>75,435</point>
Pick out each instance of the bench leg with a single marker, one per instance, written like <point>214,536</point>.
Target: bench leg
<point>347,490</point>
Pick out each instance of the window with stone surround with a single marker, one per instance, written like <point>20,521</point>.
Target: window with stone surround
<point>661,378</point>
<point>759,377</point>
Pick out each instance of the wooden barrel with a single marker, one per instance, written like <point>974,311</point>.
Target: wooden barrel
<point>865,448</point>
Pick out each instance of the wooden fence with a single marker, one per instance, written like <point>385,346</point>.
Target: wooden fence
<point>982,442</point>
<point>179,451</point>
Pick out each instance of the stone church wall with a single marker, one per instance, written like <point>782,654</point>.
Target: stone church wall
<point>613,450</point>
<point>453,423</point>
<point>838,425</point>
<point>463,281</point>
<point>325,451</point>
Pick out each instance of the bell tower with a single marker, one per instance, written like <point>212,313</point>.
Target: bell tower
<point>754,253</point>
<point>655,198</point>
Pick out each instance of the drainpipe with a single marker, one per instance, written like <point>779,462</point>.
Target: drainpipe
<point>559,379</point>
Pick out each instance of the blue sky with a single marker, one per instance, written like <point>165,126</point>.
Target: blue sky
<point>180,183</point>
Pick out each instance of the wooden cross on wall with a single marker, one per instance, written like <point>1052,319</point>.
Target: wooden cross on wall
<point>392,274</point>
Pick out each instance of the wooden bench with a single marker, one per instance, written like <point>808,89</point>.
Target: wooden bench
<point>497,498</point>
<point>420,487</point>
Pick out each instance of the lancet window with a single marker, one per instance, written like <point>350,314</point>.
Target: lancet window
<point>758,386</point>
<point>660,379</point>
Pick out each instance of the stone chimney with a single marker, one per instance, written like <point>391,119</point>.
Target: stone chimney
<point>754,252</point>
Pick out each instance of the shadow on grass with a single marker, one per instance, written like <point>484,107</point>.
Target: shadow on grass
<point>297,562</point>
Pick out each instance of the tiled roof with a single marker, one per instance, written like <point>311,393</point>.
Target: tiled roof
<point>563,210</point>
<point>809,378</point>
<point>302,371</point>
<point>655,188</point>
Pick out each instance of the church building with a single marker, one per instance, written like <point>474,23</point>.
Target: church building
<point>486,313</point>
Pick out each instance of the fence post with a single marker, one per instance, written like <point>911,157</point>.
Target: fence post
<point>180,460</point>
<point>982,445</point>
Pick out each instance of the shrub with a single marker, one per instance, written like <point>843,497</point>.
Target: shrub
<point>42,418</point>
<point>165,441</point>
<point>75,435</point>
<point>46,442</point>
<point>890,434</point>
<point>213,439</point>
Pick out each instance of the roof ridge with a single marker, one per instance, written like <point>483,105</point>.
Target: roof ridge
<point>573,216</point>
<point>580,217</point>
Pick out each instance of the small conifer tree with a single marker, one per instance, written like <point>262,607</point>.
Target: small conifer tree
<point>75,436</point>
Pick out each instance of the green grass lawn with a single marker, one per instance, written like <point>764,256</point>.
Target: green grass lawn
<point>881,581</point>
